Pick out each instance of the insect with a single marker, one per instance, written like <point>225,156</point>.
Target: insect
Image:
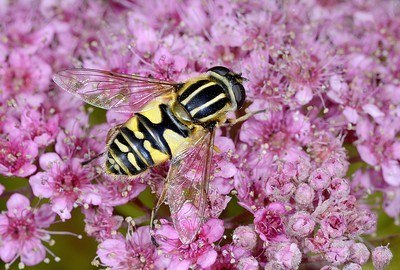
<point>172,121</point>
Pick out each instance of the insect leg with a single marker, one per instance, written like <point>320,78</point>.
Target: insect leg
<point>231,122</point>
<point>160,201</point>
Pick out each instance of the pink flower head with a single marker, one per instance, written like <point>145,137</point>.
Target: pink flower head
<point>199,252</point>
<point>17,156</point>
<point>136,251</point>
<point>269,222</point>
<point>100,222</point>
<point>64,182</point>
<point>22,230</point>
<point>24,74</point>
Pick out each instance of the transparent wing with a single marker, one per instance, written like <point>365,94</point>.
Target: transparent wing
<point>187,182</point>
<point>110,90</point>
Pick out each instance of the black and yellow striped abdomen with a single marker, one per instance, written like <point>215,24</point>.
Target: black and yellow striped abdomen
<point>148,139</point>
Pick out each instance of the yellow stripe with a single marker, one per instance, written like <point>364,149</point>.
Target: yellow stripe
<point>132,160</point>
<point>134,148</point>
<point>119,161</point>
<point>121,146</point>
<point>186,100</point>
<point>208,103</point>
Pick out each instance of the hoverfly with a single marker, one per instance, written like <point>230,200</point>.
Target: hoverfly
<point>172,121</point>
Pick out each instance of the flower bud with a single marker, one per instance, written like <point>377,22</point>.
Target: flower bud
<point>274,265</point>
<point>301,224</point>
<point>359,253</point>
<point>289,255</point>
<point>352,266</point>
<point>319,179</point>
<point>245,237</point>
<point>334,225</point>
<point>381,257</point>
<point>339,188</point>
<point>338,252</point>
<point>304,194</point>
<point>247,263</point>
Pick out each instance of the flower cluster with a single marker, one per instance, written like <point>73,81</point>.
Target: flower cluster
<point>324,76</point>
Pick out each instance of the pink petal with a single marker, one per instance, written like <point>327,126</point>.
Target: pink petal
<point>3,224</point>
<point>112,251</point>
<point>47,160</point>
<point>304,95</point>
<point>8,250</point>
<point>350,114</point>
<point>207,259</point>
<point>178,264</point>
<point>62,208</point>
<point>224,144</point>
<point>213,230</point>
<point>367,155</point>
<point>33,252</point>
<point>40,184</point>
<point>44,217</point>
<point>26,170</point>
<point>17,203</point>
<point>391,172</point>
<point>2,188</point>
<point>373,110</point>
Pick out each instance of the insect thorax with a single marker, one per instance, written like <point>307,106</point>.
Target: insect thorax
<point>204,99</point>
<point>149,138</point>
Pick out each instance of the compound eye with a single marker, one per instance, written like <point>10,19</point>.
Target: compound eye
<point>220,70</point>
<point>240,94</point>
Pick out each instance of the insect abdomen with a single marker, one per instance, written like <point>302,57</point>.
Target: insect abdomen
<point>146,140</point>
<point>203,99</point>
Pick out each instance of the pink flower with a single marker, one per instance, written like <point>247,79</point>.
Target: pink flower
<point>334,225</point>
<point>269,222</point>
<point>199,252</point>
<point>17,156</point>
<point>24,74</point>
<point>65,183</point>
<point>100,222</point>
<point>136,251</point>
<point>22,230</point>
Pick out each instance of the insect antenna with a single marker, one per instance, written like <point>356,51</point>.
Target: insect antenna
<point>83,163</point>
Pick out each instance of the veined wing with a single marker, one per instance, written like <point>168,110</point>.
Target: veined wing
<point>111,90</point>
<point>187,182</point>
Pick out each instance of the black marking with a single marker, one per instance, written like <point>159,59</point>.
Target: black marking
<point>191,88</point>
<point>204,96</point>
<point>123,157</point>
<point>211,109</point>
<point>136,142</point>
<point>153,133</point>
